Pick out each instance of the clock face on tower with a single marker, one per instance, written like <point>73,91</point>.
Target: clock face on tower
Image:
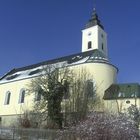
<point>89,33</point>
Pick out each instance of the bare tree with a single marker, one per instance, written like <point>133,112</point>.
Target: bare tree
<point>51,87</point>
<point>81,97</point>
<point>64,91</point>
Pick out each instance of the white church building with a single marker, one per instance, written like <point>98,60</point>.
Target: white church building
<point>93,57</point>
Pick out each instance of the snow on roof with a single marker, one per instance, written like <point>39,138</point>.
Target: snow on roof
<point>80,61</point>
<point>37,69</point>
<point>29,73</point>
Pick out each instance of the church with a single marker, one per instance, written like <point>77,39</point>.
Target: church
<point>115,97</point>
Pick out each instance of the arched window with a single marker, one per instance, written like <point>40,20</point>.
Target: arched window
<point>66,85</point>
<point>89,45</point>
<point>90,88</point>
<point>7,98</point>
<point>38,95</point>
<point>21,96</point>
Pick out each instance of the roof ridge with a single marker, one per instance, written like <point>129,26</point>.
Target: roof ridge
<point>51,61</point>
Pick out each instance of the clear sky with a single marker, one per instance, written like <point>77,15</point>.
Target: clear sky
<point>32,31</point>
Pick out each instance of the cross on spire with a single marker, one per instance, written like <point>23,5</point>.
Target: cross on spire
<point>94,5</point>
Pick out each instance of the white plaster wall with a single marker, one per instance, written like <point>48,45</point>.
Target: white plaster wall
<point>111,106</point>
<point>103,74</point>
<point>14,107</point>
<point>93,37</point>
<point>120,105</point>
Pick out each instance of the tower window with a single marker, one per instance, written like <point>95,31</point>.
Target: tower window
<point>102,35</point>
<point>102,46</point>
<point>21,96</point>
<point>7,98</point>
<point>89,45</point>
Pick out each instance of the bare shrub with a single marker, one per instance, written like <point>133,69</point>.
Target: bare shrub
<point>24,120</point>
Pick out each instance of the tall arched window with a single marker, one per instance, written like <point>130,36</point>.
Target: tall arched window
<point>89,45</point>
<point>38,95</point>
<point>7,98</point>
<point>90,88</point>
<point>21,96</point>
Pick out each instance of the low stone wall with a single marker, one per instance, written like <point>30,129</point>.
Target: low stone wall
<point>27,134</point>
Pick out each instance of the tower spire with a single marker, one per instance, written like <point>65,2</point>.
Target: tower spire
<point>94,20</point>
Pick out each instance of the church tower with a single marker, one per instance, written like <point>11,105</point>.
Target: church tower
<point>94,36</point>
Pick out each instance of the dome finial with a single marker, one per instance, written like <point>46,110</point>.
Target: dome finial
<point>94,11</point>
<point>94,5</point>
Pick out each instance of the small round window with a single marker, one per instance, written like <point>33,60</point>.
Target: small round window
<point>128,102</point>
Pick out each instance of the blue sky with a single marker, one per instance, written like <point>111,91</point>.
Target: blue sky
<point>32,31</point>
